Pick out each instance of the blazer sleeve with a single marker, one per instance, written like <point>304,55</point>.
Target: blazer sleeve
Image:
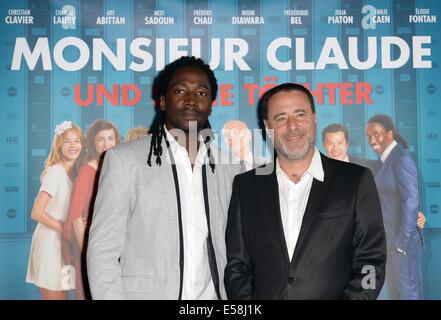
<point>239,270</point>
<point>406,175</point>
<point>369,243</point>
<point>106,237</point>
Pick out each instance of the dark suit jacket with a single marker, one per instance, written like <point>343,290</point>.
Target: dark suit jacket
<point>370,164</point>
<point>342,231</point>
<point>397,183</point>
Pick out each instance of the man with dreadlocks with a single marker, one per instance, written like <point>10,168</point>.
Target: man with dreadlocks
<point>397,183</point>
<point>158,230</point>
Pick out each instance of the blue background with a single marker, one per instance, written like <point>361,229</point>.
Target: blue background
<point>33,102</point>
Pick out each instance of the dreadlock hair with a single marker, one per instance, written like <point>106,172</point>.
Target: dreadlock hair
<point>387,123</point>
<point>160,87</point>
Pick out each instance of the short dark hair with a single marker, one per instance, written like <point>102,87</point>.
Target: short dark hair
<point>386,122</point>
<point>335,127</point>
<point>165,76</point>
<point>263,103</point>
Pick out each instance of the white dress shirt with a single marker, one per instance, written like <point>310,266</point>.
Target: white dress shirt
<point>387,152</point>
<point>293,199</point>
<point>197,282</point>
<point>247,163</point>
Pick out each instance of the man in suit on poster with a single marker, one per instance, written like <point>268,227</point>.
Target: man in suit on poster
<point>397,183</point>
<point>335,140</point>
<point>312,229</point>
<point>238,138</point>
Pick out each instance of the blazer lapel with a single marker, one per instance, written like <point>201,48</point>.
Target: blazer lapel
<point>383,168</point>
<point>271,205</point>
<point>212,184</point>
<point>316,194</point>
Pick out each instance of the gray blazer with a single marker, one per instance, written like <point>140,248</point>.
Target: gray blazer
<point>133,249</point>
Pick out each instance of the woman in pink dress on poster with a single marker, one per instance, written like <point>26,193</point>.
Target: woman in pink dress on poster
<point>101,136</point>
<point>47,267</point>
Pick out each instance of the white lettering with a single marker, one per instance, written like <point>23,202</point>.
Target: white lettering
<point>419,52</point>
<point>331,46</point>
<point>22,49</point>
<point>118,61</point>
<point>82,59</point>
<point>386,56</point>
<point>145,56</point>
<point>371,56</point>
<point>232,56</point>
<point>271,54</point>
<point>301,64</point>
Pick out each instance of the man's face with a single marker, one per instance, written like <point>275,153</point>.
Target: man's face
<point>294,124</point>
<point>378,138</point>
<point>188,98</point>
<point>237,137</point>
<point>336,145</point>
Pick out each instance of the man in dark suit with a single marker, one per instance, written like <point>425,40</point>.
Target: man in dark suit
<point>312,229</point>
<point>397,183</point>
<point>335,139</point>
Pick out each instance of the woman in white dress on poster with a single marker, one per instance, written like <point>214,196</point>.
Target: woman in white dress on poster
<point>47,268</point>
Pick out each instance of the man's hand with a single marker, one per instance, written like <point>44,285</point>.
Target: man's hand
<point>421,220</point>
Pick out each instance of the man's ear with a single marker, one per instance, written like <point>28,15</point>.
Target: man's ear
<point>162,103</point>
<point>265,122</point>
<point>390,135</point>
<point>315,118</point>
